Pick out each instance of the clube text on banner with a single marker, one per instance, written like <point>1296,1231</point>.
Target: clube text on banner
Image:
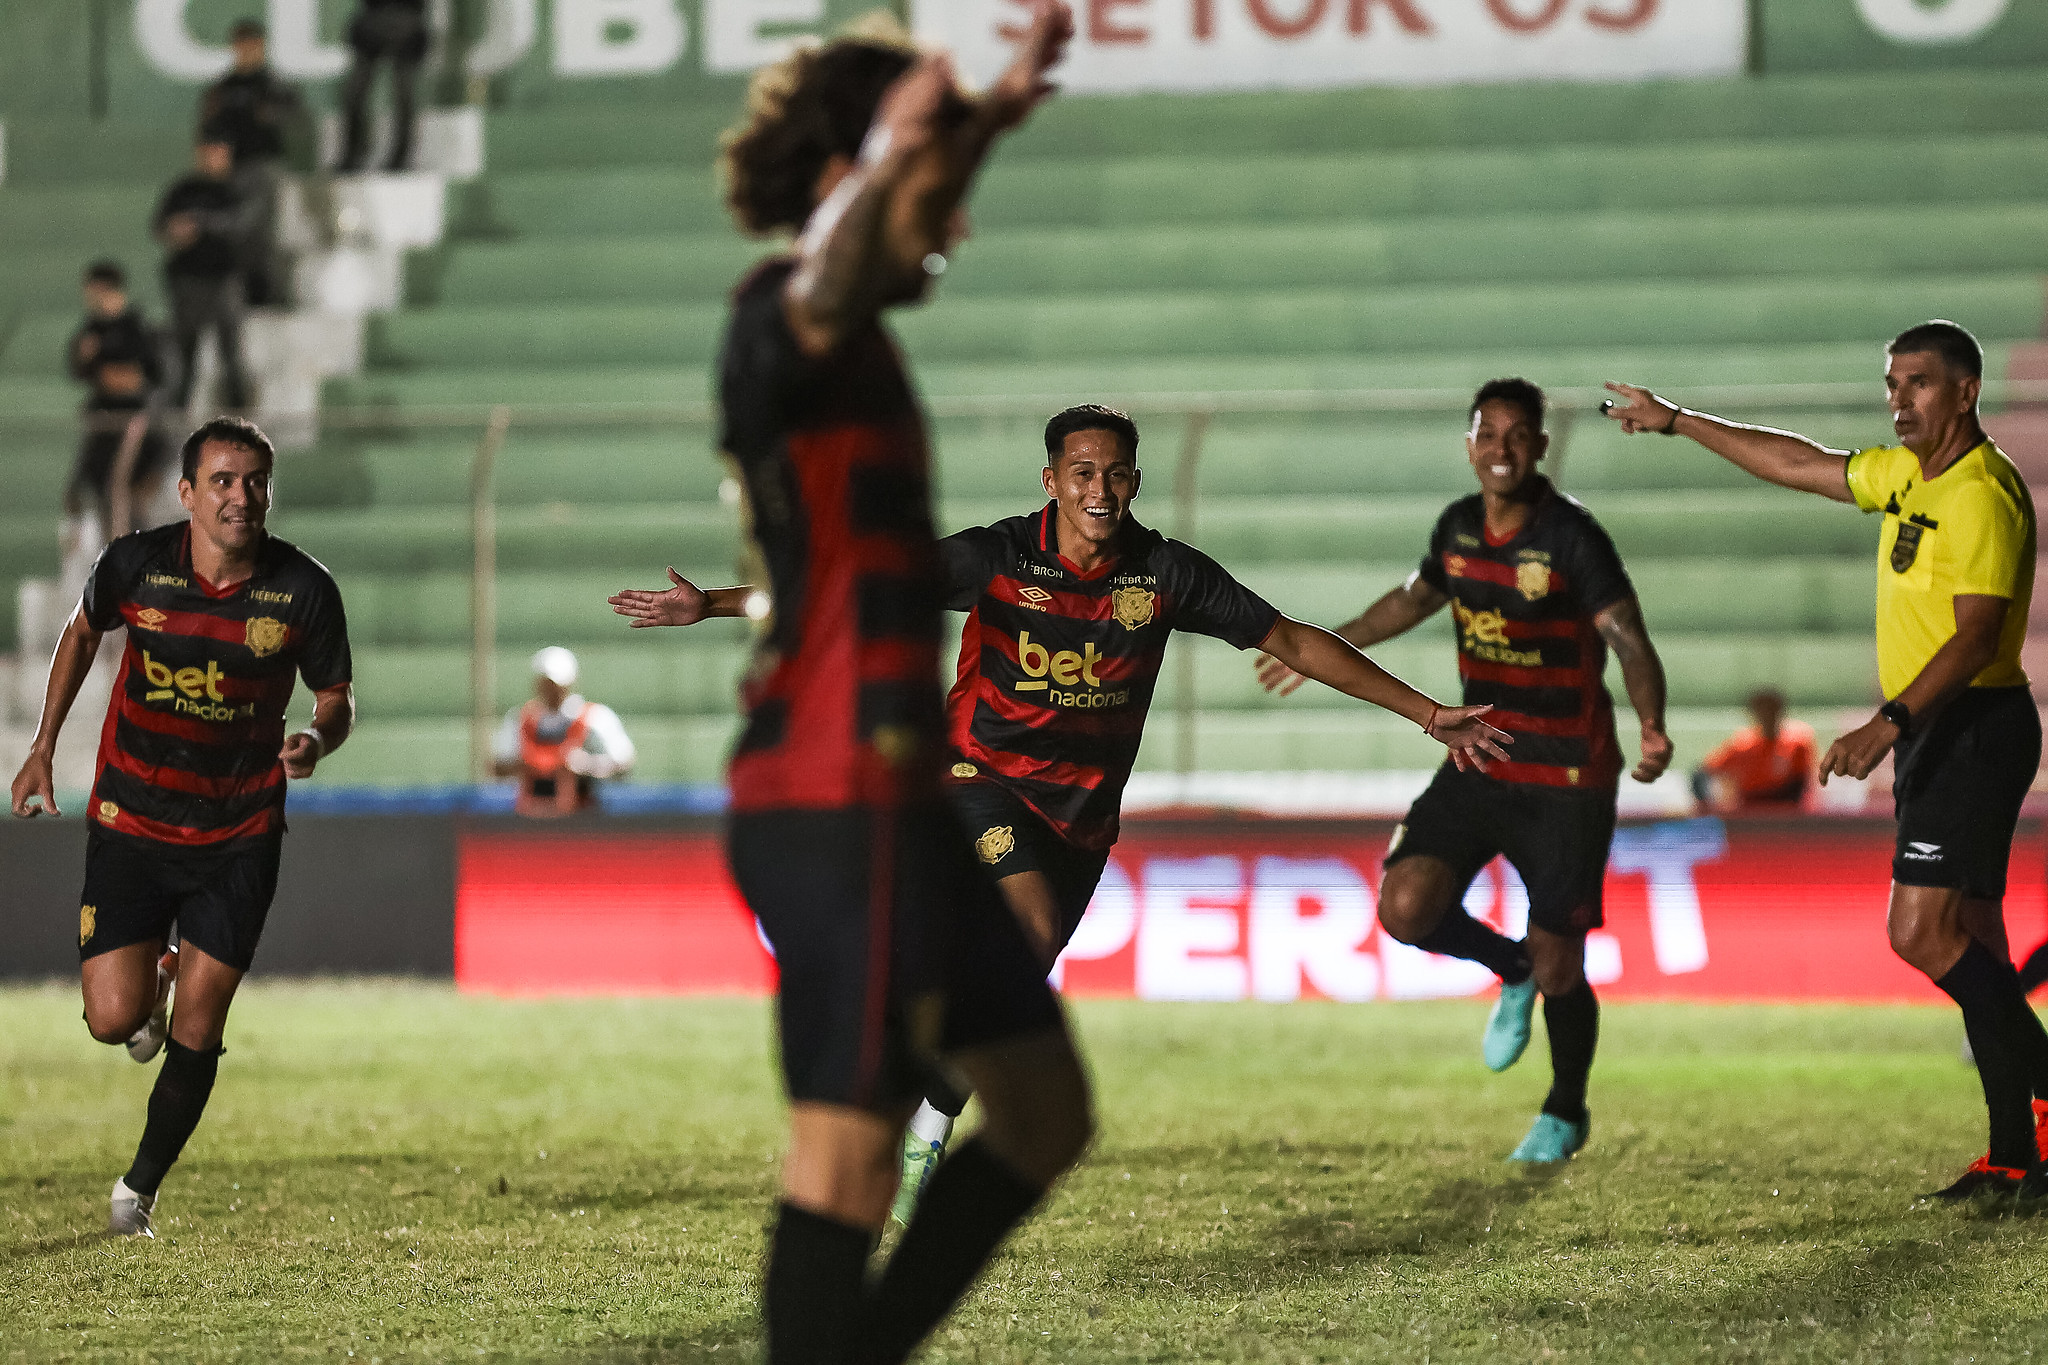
<point>1249,910</point>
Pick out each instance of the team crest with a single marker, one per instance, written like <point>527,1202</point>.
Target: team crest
<point>1532,579</point>
<point>1133,607</point>
<point>965,770</point>
<point>150,617</point>
<point>264,635</point>
<point>1906,548</point>
<point>109,812</point>
<point>1454,565</point>
<point>86,915</point>
<point>995,844</point>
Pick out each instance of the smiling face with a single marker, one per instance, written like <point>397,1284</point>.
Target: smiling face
<point>1504,447</point>
<point>1932,403</point>
<point>228,496</point>
<point>1093,479</point>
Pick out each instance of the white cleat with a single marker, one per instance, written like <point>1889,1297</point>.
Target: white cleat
<point>128,1214</point>
<point>149,1039</point>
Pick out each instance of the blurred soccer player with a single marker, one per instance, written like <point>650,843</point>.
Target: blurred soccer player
<point>187,809</point>
<point>893,950</point>
<point>1540,596</point>
<point>1069,609</point>
<point>1955,575</point>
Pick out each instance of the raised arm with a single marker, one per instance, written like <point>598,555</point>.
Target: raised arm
<point>1781,457</point>
<point>682,603</point>
<point>1397,613</point>
<point>76,649</point>
<point>1642,673</point>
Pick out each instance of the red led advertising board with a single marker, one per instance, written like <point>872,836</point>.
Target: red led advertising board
<point>1249,909</point>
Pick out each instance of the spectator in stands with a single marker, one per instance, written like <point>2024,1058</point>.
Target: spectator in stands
<point>260,117</point>
<point>118,356</point>
<point>202,221</point>
<point>1770,763</point>
<point>557,744</point>
<point>383,30</point>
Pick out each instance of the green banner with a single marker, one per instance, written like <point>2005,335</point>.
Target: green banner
<point>1900,35</point>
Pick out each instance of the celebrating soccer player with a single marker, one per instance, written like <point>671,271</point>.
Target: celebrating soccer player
<point>1069,609</point>
<point>1955,574</point>
<point>1540,596</point>
<point>187,809</point>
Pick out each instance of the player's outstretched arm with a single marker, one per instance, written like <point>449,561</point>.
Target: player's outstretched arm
<point>1642,672</point>
<point>36,782</point>
<point>1781,457</point>
<point>682,603</point>
<point>1400,611</point>
<point>334,719</point>
<point>1320,654</point>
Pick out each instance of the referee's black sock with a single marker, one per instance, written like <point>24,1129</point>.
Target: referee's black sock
<point>1985,988</point>
<point>970,1205</point>
<point>1573,1023</point>
<point>1457,934</point>
<point>817,1267</point>
<point>177,1100</point>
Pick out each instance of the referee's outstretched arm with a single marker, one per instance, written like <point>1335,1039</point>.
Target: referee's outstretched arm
<point>1780,457</point>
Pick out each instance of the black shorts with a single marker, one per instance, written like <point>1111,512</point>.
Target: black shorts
<point>1010,837</point>
<point>894,948</point>
<point>1557,840</point>
<point>135,890</point>
<point>1957,791</point>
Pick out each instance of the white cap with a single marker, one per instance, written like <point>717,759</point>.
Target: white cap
<point>557,665</point>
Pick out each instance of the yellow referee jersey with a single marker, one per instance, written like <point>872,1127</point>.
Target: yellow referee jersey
<point>1968,530</point>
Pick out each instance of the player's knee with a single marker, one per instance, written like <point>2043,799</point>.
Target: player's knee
<point>1407,912</point>
<point>112,1027</point>
<point>1042,1128</point>
<point>1921,942</point>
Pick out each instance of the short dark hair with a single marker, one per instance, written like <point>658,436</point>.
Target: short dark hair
<point>234,431</point>
<point>802,111</point>
<point>247,28</point>
<point>1089,417</point>
<point>1513,389</point>
<point>1951,341</point>
<point>107,272</point>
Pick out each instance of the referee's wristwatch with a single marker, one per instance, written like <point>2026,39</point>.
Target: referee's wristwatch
<point>1895,711</point>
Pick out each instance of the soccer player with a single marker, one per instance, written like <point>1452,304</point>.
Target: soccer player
<point>1069,609</point>
<point>1955,575</point>
<point>187,809</point>
<point>1540,596</point>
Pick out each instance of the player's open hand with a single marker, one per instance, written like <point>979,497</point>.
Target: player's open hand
<point>35,783</point>
<point>681,604</point>
<point>1858,753</point>
<point>300,755</point>
<point>1639,410</point>
<point>1277,677</point>
<point>1023,85</point>
<point>1472,742</point>
<point>1657,752</point>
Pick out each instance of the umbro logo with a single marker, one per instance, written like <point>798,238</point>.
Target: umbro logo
<point>1918,852</point>
<point>1034,597</point>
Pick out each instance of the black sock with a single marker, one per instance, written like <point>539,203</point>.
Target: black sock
<point>1573,1022</point>
<point>941,1096</point>
<point>2034,974</point>
<point>1985,989</point>
<point>2023,1032</point>
<point>811,1292</point>
<point>1459,935</point>
<point>182,1084</point>
<point>970,1205</point>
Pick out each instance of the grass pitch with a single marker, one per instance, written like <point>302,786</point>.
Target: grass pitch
<point>394,1172</point>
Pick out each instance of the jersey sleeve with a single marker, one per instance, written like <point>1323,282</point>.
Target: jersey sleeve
<point>1598,579</point>
<point>1431,570</point>
<point>1992,537</point>
<point>971,557</point>
<point>324,660</point>
<point>109,584</point>
<point>1208,601</point>
<point>1869,475</point>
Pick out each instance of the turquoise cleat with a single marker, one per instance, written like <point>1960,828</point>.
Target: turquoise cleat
<point>1552,1140</point>
<point>920,1159</point>
<point>1507,1028</point>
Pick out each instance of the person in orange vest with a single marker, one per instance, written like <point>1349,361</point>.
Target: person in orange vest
<point>1770,763</point>
<point>557,744</point>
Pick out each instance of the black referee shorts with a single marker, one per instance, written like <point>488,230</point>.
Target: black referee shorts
<point>894,948</point>
<point>1957,789</point>
<point>136,889</point>
<point>1556,839</point>
<point>1010,837</point>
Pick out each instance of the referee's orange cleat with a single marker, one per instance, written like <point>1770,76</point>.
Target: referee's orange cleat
<point>1981,1178</point>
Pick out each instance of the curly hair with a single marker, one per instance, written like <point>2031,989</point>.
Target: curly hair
<point>802,111</point>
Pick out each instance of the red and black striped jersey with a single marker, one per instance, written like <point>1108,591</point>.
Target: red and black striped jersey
<point>1057,666</point>
<point>842,699</point>
<point>1527,645</point>
<point>188,756</point>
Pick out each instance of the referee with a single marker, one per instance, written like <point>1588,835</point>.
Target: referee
<point>1955,573</point>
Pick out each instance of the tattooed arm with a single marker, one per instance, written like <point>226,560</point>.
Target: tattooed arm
<point>1642,672</point>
